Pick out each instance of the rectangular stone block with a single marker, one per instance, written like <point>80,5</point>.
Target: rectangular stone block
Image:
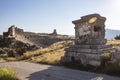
<point>95,51</point>
<point>89,46</point>
<point>94,63</point>
<point>97,41</point>
<point>82,46</point>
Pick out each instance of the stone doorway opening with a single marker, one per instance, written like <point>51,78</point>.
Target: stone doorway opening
<point>72,58</point>
<point>97,29</point>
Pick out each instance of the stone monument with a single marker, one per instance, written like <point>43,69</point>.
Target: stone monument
<point>90,41</point>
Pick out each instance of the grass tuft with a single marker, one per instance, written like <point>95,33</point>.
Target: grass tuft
<point>7,74</point>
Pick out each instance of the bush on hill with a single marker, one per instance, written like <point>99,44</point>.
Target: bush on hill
<point>117,37</point>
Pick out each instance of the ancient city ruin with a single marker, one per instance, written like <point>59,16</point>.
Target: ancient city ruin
<point>90,42</point>
<point>37,39</point>
<point>17,41</point>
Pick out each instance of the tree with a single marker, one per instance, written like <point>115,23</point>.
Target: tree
<point>117,37</point>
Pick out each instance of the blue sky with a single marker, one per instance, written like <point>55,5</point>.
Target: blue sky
<point>46,15</point>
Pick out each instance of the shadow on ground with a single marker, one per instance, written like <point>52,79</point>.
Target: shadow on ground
<point>57,73</point>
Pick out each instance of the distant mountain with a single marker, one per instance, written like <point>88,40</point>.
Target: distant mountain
<point>110,34</point>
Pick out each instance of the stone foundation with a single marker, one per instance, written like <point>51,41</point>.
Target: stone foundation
<point>86,54</point>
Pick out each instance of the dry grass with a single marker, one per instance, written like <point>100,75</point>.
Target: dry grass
<point>49,55</point>
<point>7,74</point>
<point>1,59</point>
<point>11,59</point>
<point>113,42</point>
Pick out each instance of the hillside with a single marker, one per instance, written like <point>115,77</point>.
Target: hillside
<point>49,55</point>
<point>53,53</point>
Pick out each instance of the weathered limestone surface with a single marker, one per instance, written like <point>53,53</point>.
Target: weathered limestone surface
<point>89,41</point>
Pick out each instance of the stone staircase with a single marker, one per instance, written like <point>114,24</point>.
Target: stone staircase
<point>23,39</point>
<point>37,39</point>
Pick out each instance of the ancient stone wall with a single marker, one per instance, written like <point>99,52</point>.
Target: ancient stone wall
<point>12,32</point>
<point>38,39</point>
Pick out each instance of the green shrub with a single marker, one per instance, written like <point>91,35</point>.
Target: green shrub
<point>11,53</point>
<point>7,74</point>
<point>117,37</point>
<point>112,68</point>
<point>106,55</point>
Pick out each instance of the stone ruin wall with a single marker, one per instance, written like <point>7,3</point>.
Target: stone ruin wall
<point>90,42</point>
<point>37,39</point>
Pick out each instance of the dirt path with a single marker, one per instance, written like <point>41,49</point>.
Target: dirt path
<point>32,71</point>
